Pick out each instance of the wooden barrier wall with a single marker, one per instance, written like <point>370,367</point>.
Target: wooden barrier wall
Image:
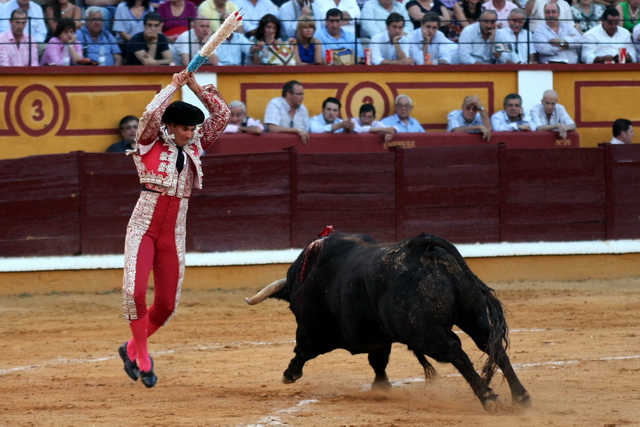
<point>79,203</point>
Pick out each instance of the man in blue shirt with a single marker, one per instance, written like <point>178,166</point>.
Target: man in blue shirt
<point>401,120</point>
<point>472,118</point>
<point>98,45</point>
<point>334,37</point>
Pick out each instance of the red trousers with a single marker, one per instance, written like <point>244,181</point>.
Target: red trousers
<point>155,240</point>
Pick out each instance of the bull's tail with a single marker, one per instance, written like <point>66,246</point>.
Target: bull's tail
<point>498,341</point>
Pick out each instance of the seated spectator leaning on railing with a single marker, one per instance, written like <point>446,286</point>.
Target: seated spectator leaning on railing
<point>98,45</point>
<point>556,41</point>
<point>176,17</point>
<point>287,114</point>
<point>17,49</point>
<point>477,40</point>
<point>341,42</point>
<point>512,118</point>
<point>402,120</point>
<point>622,132</point>
<point>328,121</point>
<point>375,12</point>
<point>149,47</point>
<point>35,28</point>
<point>62,9</point>
<point>587,14</point>
<point>367,123</point>
<point>549,115</point>
<point>430,46</point>
<point>63,48</point>
<point>268,48</point>
<point>240,123</point>
<point>391,47</point>
<point>603,42</point>
<point>308,49</point>
<point>189,43</point>
<point>217,11</point>
<point>514,45</point>
<point>253,11</point>
<point>472,118</point>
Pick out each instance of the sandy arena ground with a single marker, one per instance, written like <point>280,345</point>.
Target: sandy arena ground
<point>575,346</point>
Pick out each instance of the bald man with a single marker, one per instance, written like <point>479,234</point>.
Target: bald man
<point>549,115</point>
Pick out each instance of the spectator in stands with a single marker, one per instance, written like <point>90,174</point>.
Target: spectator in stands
<point>367,123</point>
<point>128,129</point>
<point>149,47</point>
<point>549,115</point>
<point>342,42</point>
<point>349,8</point>
<point>308,49</point>
<point>234,50</point>
<point>217,11</point>
<point>328,121</point>
<point>622,132</point>
<point>476,41</point>
<point>417,9</point>
<point>628,10</point>
<point>190,43</point>
<point>430,46</point>
<point>391,47</point>
<point>108,8</point>
<point>268,48</point>
<point>62,9</point>
<point>402,120</point>
<point>292,11</point>
<point>240,123</point>
<point>98,45</point>
<point>636,40</point>
<point>62,48</point>
<point>176,16</point>
<point>465,13</point>
<point>556,41</point>
<point>603,42</point>
<point>253,11</point>
<point>287,114</point>
<point>512,118</point>
<point>129,19</point>
<point>514,45</point>
<point>587,14</point>
<point>35,28</point>
<point>472,118</point>
<point>502,8</point>
<point>374,14</point>
<point>535,10</point>
<point>17,49</point>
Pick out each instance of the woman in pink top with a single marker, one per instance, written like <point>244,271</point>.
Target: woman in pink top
<point>62,49</point>
<point>176,17</point>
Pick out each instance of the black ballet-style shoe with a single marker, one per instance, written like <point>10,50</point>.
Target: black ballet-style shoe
<point>149,379</point>
<point>131,368</point>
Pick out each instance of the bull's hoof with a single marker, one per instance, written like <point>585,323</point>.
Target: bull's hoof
<point>289,378</point>
<point>524,400</point>
<point>492,403</point>
<point>381,385</point>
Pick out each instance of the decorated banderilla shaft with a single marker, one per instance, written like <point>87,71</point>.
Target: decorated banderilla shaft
<point>226,29</point>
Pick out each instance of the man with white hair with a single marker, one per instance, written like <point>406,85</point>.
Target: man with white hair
<point>402,119</point>
<point>240,123</point>
<point>549,115</point>
<point>97,44</point>
<point>556,41</point>
<point>190,42</point>
<point>514,45</point>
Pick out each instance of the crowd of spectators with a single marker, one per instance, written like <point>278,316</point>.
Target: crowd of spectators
<point>315,32</point>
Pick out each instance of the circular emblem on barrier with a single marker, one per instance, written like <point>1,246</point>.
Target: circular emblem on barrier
<point>36,110</point>
<point>367,93</point>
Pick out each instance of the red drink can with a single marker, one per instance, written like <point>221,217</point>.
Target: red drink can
<point>328,56</point>
<point>367,56</point>
<point>622,58</point>
<point>427,59</point>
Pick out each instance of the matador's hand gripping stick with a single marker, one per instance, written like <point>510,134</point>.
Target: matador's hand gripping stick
<point>226,29</point>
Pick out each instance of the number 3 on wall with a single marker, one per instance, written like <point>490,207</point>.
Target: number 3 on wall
<point>37,110</point>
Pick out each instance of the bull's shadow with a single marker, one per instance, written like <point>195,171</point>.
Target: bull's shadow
<point>351,292</point>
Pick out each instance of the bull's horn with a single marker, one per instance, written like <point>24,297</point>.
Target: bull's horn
<point>267,292</point>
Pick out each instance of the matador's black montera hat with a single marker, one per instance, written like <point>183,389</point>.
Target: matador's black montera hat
<point>182,113</point>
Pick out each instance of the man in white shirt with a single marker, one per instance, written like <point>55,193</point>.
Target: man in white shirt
<point>636,39</point>
<point>391,47</point>
<point>329,121</point>
<point>556,41</point>
<point>350,11</point>
<point>374,12</point>
<point>287,114</point>
<point>291,11</point>
<point>549,115</point>
<point>602,43</point>
<point>253,11</point>
<point>512,118</point>
<point>514,45</point>
<point>430,46</point>
<point>367,123</point>
<point>35,28</point>
<point>190,42</point>
<point>475,45</point>
<point>622,132</point>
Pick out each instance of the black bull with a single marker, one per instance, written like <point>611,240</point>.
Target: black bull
<point>351,292</point>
